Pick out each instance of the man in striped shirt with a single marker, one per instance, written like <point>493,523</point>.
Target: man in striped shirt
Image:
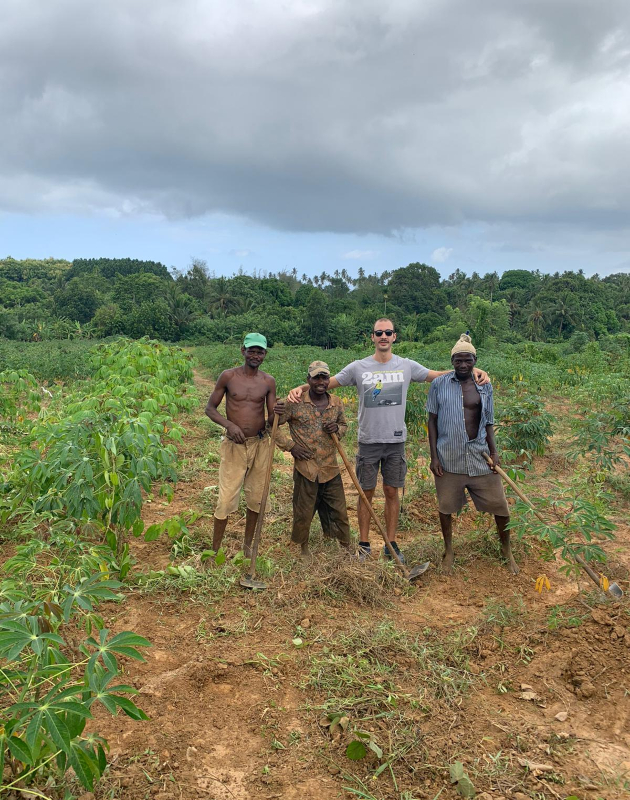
<point>461,430</point>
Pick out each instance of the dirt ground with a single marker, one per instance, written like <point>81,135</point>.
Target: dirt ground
<point>529,692</point>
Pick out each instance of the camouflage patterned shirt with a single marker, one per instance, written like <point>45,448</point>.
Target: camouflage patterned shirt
<point>305,426</point>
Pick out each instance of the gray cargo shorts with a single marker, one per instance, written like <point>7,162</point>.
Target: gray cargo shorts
<point>389,456</point>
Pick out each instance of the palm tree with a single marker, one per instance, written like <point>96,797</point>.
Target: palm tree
<point>246,304</point>
<point>535,323</point>
<point>220,300</point>
<point>563,310</point>
<point>512,299</point>
<point>179,307</point>
<point>492,282</point>
<point>346,277</point>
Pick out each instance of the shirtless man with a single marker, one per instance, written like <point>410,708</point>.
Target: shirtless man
<point>461,430</point>
<point>245,450</point>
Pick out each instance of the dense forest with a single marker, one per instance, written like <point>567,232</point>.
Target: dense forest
<point>53,299</point>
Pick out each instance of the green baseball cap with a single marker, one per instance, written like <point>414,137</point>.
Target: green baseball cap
<point>255,340</point>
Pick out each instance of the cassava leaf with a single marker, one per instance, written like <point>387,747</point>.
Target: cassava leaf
<point>356,750</point>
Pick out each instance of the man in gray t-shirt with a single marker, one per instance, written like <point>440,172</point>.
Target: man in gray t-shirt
<point>382,389</point>
<point>382,381</point>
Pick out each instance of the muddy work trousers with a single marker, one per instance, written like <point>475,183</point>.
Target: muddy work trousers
<point>328,499</point>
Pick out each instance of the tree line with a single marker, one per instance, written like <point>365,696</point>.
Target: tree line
<point>52,299</point>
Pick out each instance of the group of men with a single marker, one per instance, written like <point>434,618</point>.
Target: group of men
<point>461,430</point>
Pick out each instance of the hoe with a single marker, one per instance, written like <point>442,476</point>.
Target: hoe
<point>613,588</point>
<point>250,581</point>
<point>415,572</point>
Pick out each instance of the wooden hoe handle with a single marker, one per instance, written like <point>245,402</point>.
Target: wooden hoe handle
<point>263,499</point>
<point>355,480</point>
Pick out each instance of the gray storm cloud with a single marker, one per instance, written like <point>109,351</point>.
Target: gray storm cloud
<point>313,115</point>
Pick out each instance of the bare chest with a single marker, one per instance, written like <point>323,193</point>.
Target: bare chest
<point>242,390</point>
<point>471,398</point>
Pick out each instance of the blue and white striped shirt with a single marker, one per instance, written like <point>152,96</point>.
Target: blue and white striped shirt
<point>458,453</point>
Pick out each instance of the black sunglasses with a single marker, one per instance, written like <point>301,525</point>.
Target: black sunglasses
<point>387,333</point>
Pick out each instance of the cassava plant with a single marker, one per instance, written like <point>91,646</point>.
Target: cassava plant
<point>603,436</point>
<point>523,426</point>
<point>572,527</point>
<point>49,685</point>
<point>19,395</point>
<point>98,447</point>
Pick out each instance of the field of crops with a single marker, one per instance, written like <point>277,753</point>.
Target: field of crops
<point>133,665</point>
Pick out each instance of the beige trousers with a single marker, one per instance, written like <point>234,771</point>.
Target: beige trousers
<point>242,466</point>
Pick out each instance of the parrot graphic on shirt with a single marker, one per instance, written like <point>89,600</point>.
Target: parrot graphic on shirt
<point>377,389</point>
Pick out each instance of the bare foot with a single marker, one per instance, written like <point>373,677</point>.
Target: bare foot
<point>511,564</point>
<point>305,553</point>
<point>448,560</point>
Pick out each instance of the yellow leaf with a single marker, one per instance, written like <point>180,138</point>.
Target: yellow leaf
<point>542,582</point>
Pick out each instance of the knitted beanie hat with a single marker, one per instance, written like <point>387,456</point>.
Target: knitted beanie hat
<point>464,345</point>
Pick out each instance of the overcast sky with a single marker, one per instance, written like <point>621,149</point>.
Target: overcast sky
<point>318,134</point>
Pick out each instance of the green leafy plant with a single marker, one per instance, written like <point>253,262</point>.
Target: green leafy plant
<point>19,395</point>
<point>604,437</point>
<point>363,743</point>
<point>574,527</point>
<point>49,686</point>
<point>90,458</point>
<point>462,782</point>
<point>174,527</point>
<point>523,426</point>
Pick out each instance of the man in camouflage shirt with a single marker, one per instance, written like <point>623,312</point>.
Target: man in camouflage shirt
<point>317,480</point>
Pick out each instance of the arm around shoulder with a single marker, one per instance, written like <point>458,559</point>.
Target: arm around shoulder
<point>432,374</point>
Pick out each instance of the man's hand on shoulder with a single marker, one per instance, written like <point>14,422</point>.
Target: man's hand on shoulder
<point>481,377</point>
<point>295,395</point>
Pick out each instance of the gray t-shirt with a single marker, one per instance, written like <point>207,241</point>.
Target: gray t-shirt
<point>382,390</point>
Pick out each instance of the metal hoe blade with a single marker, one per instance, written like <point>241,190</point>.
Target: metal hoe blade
<point>613,588</point>
<point>247,582</point>
<point>417,571</point>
